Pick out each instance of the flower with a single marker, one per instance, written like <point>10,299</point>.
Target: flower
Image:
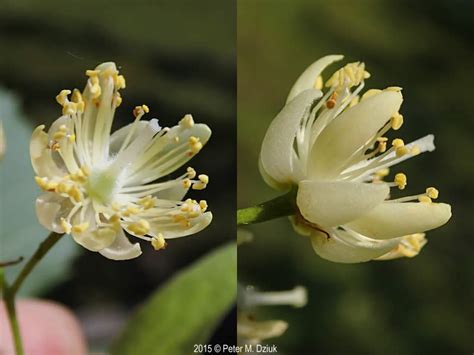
<point>97,184</point>
<point>331,147</point>
<point>251,331</point>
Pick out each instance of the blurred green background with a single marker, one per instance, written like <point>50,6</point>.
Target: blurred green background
<point>178,57</point>
<point>408,306</point>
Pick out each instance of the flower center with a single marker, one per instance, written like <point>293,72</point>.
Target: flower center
<point>101,185</point>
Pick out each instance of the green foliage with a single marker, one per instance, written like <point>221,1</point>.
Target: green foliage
<point>186,310</point>
<point>20,231</point>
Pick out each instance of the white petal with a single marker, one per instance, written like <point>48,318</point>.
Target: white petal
<point>392,219</point>
<point>331,204</point>
<point>307,79</point>
<point>41,158</point>
<point>118,137</point>
<point>276,155</point>
<point>50,207</point>
<point>197,225</point>
<point>349,247</point>
<point>167,154</point>
<point>349,132</point>
<point>121,248</point>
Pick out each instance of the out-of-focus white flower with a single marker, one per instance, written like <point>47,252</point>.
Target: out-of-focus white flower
<point>96,183</point>
<point>3,144</point>
<point>331,147</point>
<point>251,331</point>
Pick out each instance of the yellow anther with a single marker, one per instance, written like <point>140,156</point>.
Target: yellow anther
<point>63,188</point>
<point>382,172</point>
<point>66,226</point>
<point>401,151</point>
<point>187,121</point>
<point>42,182</point>
<point>400,180</point>
<point>396,121</point>
<point>141,227</point>
<point>318,83</point>
<point>203,205</point>
<point>80,228</point>
<point>117,207</point>
<point>432,192</point>
<point>71,138</point>
<point>415,150</point>
<point>191,172</point>
<point>91,73</point>
<point>382,147</point>
<point>94,87</point>
<point>204,178</point>
<point>119,81</point>
<point>51,186</point>
<point>158,242</point>
<point>424,199</point>
<point>193,140</point>
<point>199,186</point>
<point>176,139</point>
<point>61,98</point>
<point>75,194</point>
<point>186,183</point>
<point>131,210</point>
<point>398,143</point>
<point>69,108</point>
<point>76,96</point>
<point>117,99</point>
<point>147,202</point>
<point>370,93</point>
<point>140,110</point>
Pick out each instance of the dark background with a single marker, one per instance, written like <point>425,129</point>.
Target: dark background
<point>407,306</point>
<point>178,57</point>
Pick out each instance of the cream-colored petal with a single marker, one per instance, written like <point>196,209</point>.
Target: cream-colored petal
<point>167,153</point>
<point>308,78</point>
<point>350,131</point>
<point>119,136</point>
<point>41,159</point>
<point>179,230</point>
<point>92,238</point>
<point>50,208</point>
<point>349,247</point>
<point>276,155</point>
<point>332,204</point>
<point>121,248</point>
<point>393,219</point>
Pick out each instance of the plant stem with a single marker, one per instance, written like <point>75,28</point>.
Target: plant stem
<point>9,292</point>
<point>278,207</point>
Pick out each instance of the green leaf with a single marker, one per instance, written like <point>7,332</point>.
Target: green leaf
<point>20,232</point>
<point>186,310</point>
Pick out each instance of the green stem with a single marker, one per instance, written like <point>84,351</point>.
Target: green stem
<point>9,292</point>
<point>278,207</point>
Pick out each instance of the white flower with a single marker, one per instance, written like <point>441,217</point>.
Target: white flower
<point>96,183</point>
<point>331,146</point>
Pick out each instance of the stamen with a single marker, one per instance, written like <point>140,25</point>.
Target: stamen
<point>432,192</point>
<point>396,121</point>
<point>400,180</point>
<point>158,242</point>
<point>80,228</point>
<point>141,227</point>
<point>187,121</point>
